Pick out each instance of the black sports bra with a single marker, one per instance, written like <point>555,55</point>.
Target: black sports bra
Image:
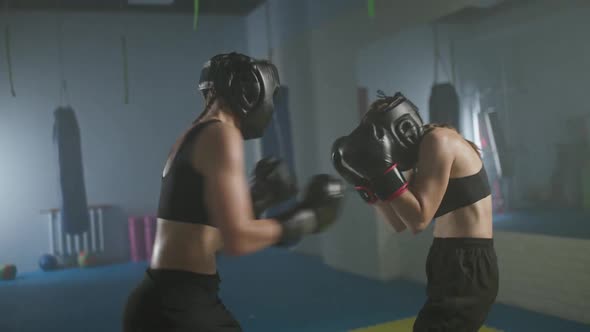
<point>464,191</point>
<point>182,191</point>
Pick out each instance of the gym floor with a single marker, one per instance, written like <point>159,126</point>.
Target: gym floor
<point>274,290</point>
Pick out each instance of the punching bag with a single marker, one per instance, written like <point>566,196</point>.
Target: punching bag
<point>444,105</point>
<point>74,206</point>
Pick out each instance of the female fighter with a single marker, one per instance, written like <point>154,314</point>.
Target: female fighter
<point>448,183</point>
<point>206,205</point>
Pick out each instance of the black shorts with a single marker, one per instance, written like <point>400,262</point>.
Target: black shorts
<point>169,300</point>
<point>462,285</point>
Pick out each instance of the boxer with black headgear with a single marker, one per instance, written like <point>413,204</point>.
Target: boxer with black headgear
<point>206,205</point>
<point>447,181</point>
<point>400,118</point>
<point>249,87</point>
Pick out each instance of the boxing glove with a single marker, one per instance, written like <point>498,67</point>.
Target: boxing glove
<point>271,183</point>
<point>319,208</point>
<point>361,184</point>
<point>367,152</point>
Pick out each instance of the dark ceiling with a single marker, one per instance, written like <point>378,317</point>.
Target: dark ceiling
<point>211,7</point>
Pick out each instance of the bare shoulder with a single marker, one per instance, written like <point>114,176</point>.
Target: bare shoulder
<point>219,145</point>
<point>444,144</point>
<point>438,140</point>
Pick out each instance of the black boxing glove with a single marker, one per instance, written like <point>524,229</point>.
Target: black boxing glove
<point>272,183</point>
<point>318,210</point>
<point>367,152</point>
<point>360,183</point>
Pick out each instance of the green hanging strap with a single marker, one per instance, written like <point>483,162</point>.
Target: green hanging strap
<point>125,70</point>
<point>371,8</point>
<point>9,59</point>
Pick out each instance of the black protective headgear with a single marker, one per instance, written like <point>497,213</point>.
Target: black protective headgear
<point>247,85</point>
<point>400,118</point>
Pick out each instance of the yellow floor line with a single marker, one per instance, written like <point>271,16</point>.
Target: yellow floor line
<point>404,325</point>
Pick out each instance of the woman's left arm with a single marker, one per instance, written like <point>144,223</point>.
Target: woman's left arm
<point>417,206</point>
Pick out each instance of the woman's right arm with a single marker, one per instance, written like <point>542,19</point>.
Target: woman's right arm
<point>388,213</point>
<point>227,194</point>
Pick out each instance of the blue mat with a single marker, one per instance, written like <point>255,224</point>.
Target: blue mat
<point>271,291</point>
